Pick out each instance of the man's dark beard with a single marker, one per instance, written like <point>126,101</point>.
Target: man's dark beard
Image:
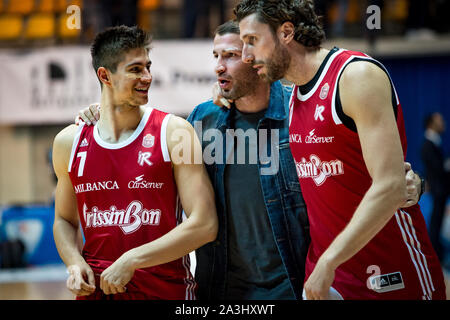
<point>277,65</point>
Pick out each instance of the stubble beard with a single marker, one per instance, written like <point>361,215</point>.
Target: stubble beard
<point>277,65</point>
<point>244,84</point>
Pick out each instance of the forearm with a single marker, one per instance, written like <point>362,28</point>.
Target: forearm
<point>67,242</point>
<point>376,208</point>
<point>180,241</point>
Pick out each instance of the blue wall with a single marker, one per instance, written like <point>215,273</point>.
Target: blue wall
<point>423,86</point>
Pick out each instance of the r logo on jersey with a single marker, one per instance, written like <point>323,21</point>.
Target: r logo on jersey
<point>143,157</point>
<point>318,113</point>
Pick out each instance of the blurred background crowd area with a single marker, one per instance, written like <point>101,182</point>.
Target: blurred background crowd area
<point>43,22</point>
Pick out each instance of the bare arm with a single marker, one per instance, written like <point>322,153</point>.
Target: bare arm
<point>66,217</point>
<point>197,198</point>
<point>366,98</point>
<point>66,224</point>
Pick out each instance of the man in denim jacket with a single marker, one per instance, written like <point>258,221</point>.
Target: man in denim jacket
<point>263,234</point>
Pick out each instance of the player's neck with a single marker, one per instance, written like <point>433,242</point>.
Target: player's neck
<point>305,62</point>
<point>255,101</point>
<point>118,122</point>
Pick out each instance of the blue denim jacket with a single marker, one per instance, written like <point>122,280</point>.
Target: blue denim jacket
<point>282,195</point>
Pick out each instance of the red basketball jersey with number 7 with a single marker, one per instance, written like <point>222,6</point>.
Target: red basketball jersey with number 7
<point>127,197</point>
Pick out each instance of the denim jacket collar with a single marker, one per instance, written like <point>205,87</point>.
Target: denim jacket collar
<point>276,109</point>
<point>223,120</point>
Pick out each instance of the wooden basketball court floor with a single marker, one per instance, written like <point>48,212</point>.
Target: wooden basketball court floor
<point>50,284</point>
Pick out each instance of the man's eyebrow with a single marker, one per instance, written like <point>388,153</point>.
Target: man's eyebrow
<point>232,49</point>
<point>138,63</point>
<point>229,50</point>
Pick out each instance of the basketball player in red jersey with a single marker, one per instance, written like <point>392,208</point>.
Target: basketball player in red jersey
<point>348,140</point>
<point>125,180</point>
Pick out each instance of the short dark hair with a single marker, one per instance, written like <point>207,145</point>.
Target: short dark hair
<point>231,26</point>
<point>429,119</point>
<point>110,46</point>
<point>308,28</point>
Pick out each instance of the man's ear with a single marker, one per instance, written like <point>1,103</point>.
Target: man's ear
<point>286,32</point>
<point>104,76</point>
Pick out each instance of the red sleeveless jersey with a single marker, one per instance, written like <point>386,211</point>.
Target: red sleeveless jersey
<point>127,197</point>
<point>399,262</point>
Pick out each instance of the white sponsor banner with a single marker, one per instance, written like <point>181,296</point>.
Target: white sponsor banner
<point>50,85</point>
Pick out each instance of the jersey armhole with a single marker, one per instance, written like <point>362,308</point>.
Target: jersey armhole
<point>338,112</point>
<point>76,139</point>
<point>163,138</point>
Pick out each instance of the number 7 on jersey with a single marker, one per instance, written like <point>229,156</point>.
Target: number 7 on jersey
<point>82,156</point>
